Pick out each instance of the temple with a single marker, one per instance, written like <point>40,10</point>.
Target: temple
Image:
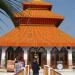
<point>38,36</point>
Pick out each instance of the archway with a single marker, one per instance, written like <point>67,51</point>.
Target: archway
<point>54,57</point>
<point>64,57</point>
<point>19,54</point>
<point>59,57</point>
<point>39,53</point>
<point>42,56</point>
<point>9,55</point>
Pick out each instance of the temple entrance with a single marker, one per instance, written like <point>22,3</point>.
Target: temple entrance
<point>59,57</point>
<point>13,55</point>
<point>9,55</point>
<point>64,57</point>
<point>19,54</point>
<point>39,53</point>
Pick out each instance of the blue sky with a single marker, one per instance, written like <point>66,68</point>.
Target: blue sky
<point>63,7</point>
<point>67,9</point>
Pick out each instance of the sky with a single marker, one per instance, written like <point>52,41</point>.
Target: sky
<point>62,7</point>
<point>67,9</point>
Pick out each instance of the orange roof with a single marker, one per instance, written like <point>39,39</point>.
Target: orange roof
<point>33,13</point>
<point>37,4</point>
<point>36,36</point>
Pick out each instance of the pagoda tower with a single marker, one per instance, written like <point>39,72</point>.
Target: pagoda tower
<point>38,27</point>
<point>38,13</point>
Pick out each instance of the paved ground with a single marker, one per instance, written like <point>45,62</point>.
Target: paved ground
<point>4,73</point>
<point>41,72</point>
<point>64,72</point>
<point>67,72</point>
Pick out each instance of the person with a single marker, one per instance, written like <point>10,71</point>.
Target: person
<point>20,64</point>
<point>35,67</point>
<point>22,61</point>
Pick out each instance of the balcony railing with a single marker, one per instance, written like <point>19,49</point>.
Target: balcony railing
<point>47,71</point>
<point>26,71</point>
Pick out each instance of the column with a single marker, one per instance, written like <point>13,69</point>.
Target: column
<point>3,57</point>
<point>25,55</point>
<point>70,58</point>
<point>48,57</point>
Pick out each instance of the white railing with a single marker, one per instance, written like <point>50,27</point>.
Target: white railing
<point>27,70</point>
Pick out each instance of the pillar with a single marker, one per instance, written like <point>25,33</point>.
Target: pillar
<point>3,57</point>
<point>48,57</point>
<point>25,54</point>
<point>70,58</point>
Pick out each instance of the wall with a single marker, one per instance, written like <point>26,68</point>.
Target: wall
<point>48,55</point>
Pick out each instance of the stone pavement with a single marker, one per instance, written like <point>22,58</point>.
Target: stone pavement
<point>67,72</point>
<point>6,73</point>
<point>63,72</point>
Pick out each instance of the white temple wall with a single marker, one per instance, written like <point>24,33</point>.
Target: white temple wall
<point>3,56</point>
<point>48,55</point>
<point>25,53</point>
<point>70,58</point>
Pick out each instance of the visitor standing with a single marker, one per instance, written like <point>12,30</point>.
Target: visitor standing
<point>35,67</point>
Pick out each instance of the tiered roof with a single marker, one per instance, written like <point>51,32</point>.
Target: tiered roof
<point>37,27</point>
